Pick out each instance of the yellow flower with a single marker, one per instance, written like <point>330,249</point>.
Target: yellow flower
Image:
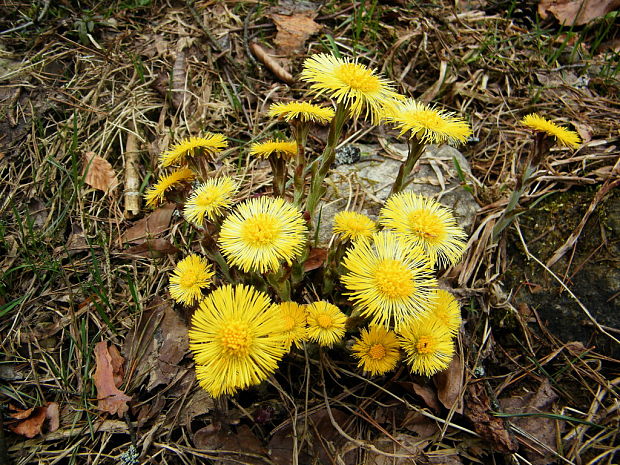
<point>562,135</point>
<point>210,145</point>
<point>281,148</point>
<point>428,124</point>
<point>390,280</point>
<point>189,277</point>
<point>349,83</point>
<point>447,311</point>
<point>353,226</point>
<point>155,195</point>
<point>426,223</point>
<point>428,346</point>
<point>210,199</point>
<point>325,323</point>
<point>377,350</point>
<point>294,317</point>
<point>261,232</point>
<point>236,338</point>
<point>302,111</point>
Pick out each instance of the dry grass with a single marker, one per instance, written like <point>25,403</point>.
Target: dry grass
<point>85,80</point>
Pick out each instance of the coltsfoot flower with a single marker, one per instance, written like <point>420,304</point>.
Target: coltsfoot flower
<point>295,329</point>
<point>237,339</point>
<point>210,199</point>
<point>428,346</point>
<point>326,323</point>
<point>356,86</point>
<point>562,136</point>
<point>426,223</point>
<point>446,310</point>
<point>377,350</point>
<point>262,232</point>
<point>280,148</point>
<point>301,111</point>
<point>210,144</point>
<point>353,226</point>
<point>390,280</point>
<point>189,278</point>
<point>155,194</point>
<point>428,124</point>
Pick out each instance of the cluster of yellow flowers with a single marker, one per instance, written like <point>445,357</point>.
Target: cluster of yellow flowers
<point>386,269</point>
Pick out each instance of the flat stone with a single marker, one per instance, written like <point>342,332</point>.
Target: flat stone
<point>435,176</point>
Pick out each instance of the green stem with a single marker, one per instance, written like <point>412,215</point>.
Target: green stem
<point>321,169</point>
<point>279,282</point>
<point>300,130</point>
<point>416,148</point>
<point>278,168</point>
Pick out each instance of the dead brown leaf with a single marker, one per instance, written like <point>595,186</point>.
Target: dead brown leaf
<point>98,172</point>
<point>156,345</point>
<point>31,422</point>
<point>117,361</point>
<point>400,444</point>
<point>543,429</point>
<point>490,427</point>
<point>52,414</point>
<point>576,12</point>
<point>242,440</point>
<point>151,225</point>
<point>420,424</point>
<point>111,399</point>
<point>153,248</point>
<point>428,395</point>
<point>293,31</point>
<point>316,258</point>
<point>449,384</point>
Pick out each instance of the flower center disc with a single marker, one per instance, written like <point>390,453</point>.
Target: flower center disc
<point>357,78</point>
<point>424,345</point>
<point>428,119</point>
<point>394,279</point>
<point>324,321</point>
<point>425,224</point>
<point>289,323</point>
<point>189,279</point>
<point>260,230</point>
<point>207,198</point>
<point>236,338</point>
<point>377,352</point>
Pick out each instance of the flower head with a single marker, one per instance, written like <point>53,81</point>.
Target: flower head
<point>353,226</point>
<point>189,277</point>
<point>390,280</point>
<point>349,83</point>
<point>428,346</point>
<point>210,144</point>
<point>428,124</point>
<point>377,350</point>
<point>280,148</point>
<point>261,232</point>
<point>562,135</point>
<point>301,111</point>
<point>236,338</point>
<point>155,195</point>
<point>294,317</point>
<point>210,199</point>
<point>326,323</point>
<point>447,311</point>
<point>426,223</point>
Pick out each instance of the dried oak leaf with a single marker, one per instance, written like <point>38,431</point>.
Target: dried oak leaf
<point>293,31</point>
<point>315,259</point>
<point>449,385</point>
<point>153,248</point>
<point>576,12</point>
<point>543,429</point>
<point>31,423</point>
<point>491,428</point>
<point>151,225</point>
<point>110,398</point>
<point>98,172</point>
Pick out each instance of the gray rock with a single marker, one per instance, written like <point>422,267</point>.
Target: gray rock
<point>372,177</point>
